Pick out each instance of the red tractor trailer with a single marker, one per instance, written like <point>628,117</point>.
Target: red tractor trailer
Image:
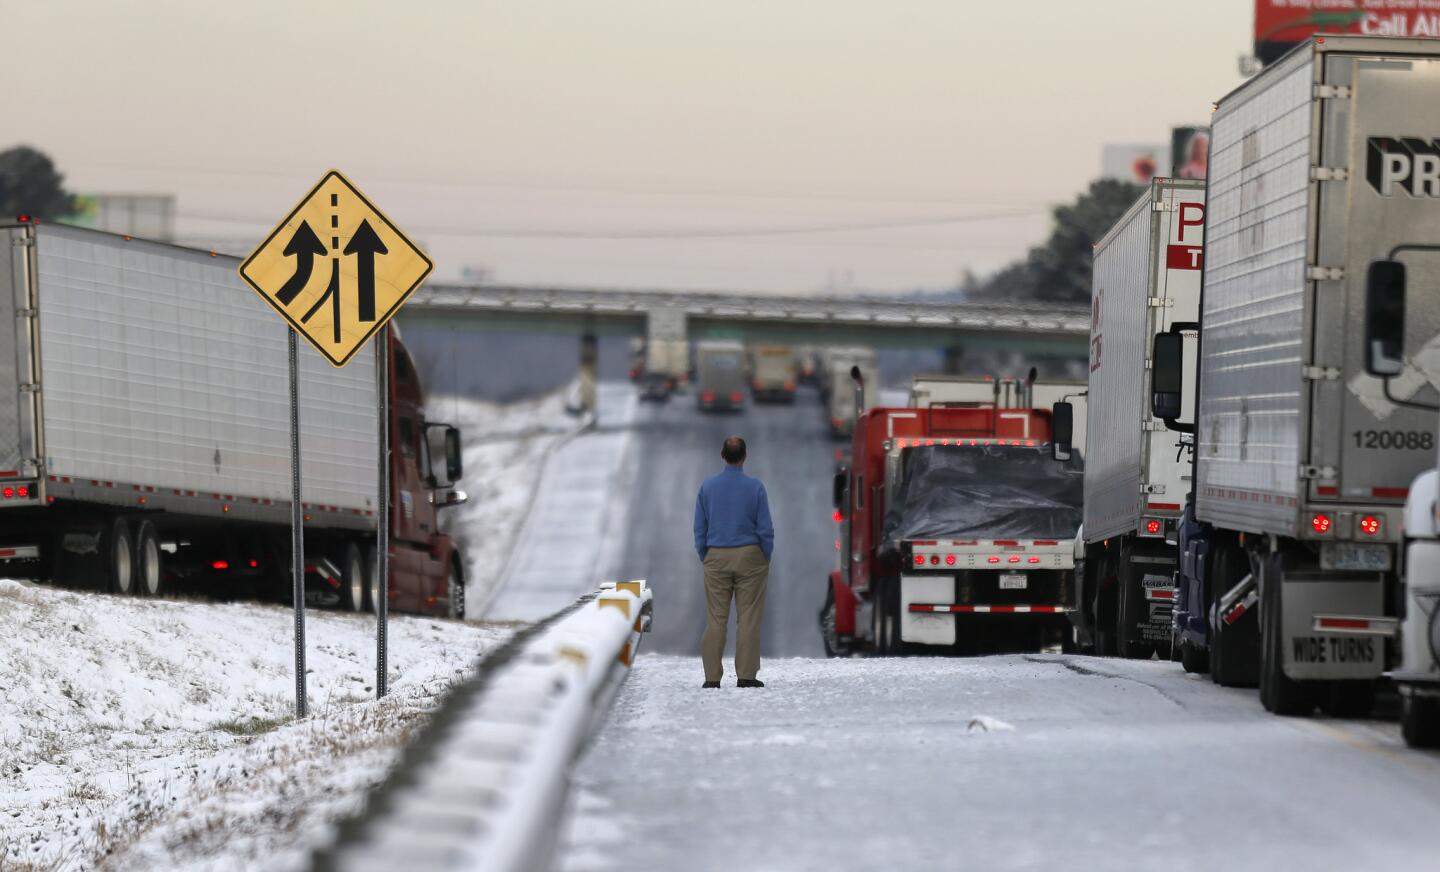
<point>956,533</point>
<point>144,435</point>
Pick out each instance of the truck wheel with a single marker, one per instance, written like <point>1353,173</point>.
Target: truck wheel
<point>1279,693</point>
<point>1420,721</point>
<point>1192,657</point>
<point>372,578</point>
<point>149,568</point>
<point>455,593</point>
<point>828,637</point>
<point>352,578</point>
<point>1105,619</point>
<point>1347,699</point>
<point>1227,653</point>
<point>886,631</point>
<point>118,555</point>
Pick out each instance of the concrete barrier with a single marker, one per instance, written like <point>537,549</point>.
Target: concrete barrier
<point>483,787</point>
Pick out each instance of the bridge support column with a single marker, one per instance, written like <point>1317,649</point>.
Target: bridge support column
<point>954,359</point>
<point>589,373</point>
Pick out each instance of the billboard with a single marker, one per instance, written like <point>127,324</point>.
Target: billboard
<point>1134,163</point>
<point>1281,24</point>
<point>1189,151</point>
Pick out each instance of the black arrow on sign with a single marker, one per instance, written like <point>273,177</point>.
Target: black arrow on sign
<point>304,245</point>
<point>365,244</point>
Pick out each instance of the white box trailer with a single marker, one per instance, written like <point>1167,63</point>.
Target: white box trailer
<point>1146,280</point>
<point>144,404</point>
<point>1320,165</point>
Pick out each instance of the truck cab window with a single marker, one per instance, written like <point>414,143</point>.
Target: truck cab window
<point>407,437</point>
<point>402,369</point>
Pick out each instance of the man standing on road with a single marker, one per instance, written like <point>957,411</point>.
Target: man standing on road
<point>734,538</point>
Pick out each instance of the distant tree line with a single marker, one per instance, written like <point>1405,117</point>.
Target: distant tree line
<point>1058,270</point>
<point>30,185</point>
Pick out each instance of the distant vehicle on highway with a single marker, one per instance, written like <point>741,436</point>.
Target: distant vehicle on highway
<point>665,368</point>
<point>772,373</point>
<point>956,532</point>
<point>836,390</point>
<point>144,434</point>
<point>720,375</point>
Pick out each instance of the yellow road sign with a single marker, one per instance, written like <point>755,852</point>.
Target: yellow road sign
<point>336,268</point>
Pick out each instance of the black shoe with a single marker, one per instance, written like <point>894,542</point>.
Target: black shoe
<point>749,682</point>
<point>710,684</point>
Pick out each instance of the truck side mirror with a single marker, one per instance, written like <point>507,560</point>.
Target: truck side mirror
<point>837,489</point>
<point>1385,318</point>
<point>1062,430</point>
<point>1167,374</point>
<point>454,465</point>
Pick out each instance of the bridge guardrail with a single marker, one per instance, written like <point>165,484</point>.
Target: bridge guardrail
<point>484,785</point>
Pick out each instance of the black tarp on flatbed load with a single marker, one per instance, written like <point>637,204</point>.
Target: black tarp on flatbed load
<point>984,492</point>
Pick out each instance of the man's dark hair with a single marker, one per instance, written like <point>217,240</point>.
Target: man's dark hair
<point>733,451</point>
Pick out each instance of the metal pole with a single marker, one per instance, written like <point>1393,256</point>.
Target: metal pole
<point>297,532</point>
<point>382,516</point>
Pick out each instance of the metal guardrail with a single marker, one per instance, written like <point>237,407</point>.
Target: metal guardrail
<point>1057,319</point>
<point>483,787</point>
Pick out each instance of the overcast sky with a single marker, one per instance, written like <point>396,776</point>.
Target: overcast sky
<point>624,143</point>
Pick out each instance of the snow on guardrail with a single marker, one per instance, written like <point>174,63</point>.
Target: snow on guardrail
<point>483,788</point>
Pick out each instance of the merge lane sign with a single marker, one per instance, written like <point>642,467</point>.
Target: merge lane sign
<point>336,268</point>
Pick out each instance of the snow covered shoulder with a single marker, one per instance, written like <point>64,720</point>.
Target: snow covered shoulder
<point>150,734</point>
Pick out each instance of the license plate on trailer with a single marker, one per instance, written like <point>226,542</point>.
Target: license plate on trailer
<point>1355,555</point>
<point>1013,582</point>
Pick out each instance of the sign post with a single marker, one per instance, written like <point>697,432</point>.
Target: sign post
<point>373,264</point>
<point>382,514</point>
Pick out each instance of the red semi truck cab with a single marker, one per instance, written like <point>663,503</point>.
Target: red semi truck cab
<point>956,531</point>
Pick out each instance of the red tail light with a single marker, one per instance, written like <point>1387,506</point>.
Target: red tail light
<point>220,564</point>
<point>790,386</point>
<point>949,559</point>
<point>934,559</point>
<point>1034,559</point>
<point>8,492</point>
<point>736,396</point>
<point>1369,525</point>
<point>254,564</point>
<point>919,559</point>
<point>1014,558</point>
<point>1152,527</point>
<point>836,516</point>
<point>837,544</point>
<point>707,396</point>
<point>23,491</point>
<point>1320,524</point>
<point>993,559</point>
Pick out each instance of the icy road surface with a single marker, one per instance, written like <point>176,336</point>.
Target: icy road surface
<point>1016,762</point>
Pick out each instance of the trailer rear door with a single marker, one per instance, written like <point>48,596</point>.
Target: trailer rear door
<point>17,418</point>
<point>1388,134</point>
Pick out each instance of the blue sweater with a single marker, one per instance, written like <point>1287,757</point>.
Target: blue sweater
<point>732,510</point>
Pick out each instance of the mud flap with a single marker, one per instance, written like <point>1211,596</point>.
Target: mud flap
<point>1309,655</point>
<point>926,629</point>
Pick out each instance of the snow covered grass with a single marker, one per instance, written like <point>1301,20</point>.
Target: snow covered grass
<point>505,450</point>
<point>141,734</point>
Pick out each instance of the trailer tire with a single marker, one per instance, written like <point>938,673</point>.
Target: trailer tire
<point>1279,693</point>
<point>352,577</point>
<point>1105,618</point>
<point>829,637</point>
<point>455,593</point>
<point>149,561</point>
<point>1420,720</point>
<point>887,630</point>
<point>1193,658</point>
<point>117,555</point>
<point>1226,666</point>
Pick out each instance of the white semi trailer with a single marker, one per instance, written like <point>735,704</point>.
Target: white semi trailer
<point>144,434</point>
<point>1320,166</point>
<point>1137,472</point>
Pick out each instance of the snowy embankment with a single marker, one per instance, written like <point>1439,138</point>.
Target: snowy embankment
<point>141,734</point>
<point>505,451</point>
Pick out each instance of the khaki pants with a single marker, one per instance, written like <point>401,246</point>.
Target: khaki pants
<point>740,573</point>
